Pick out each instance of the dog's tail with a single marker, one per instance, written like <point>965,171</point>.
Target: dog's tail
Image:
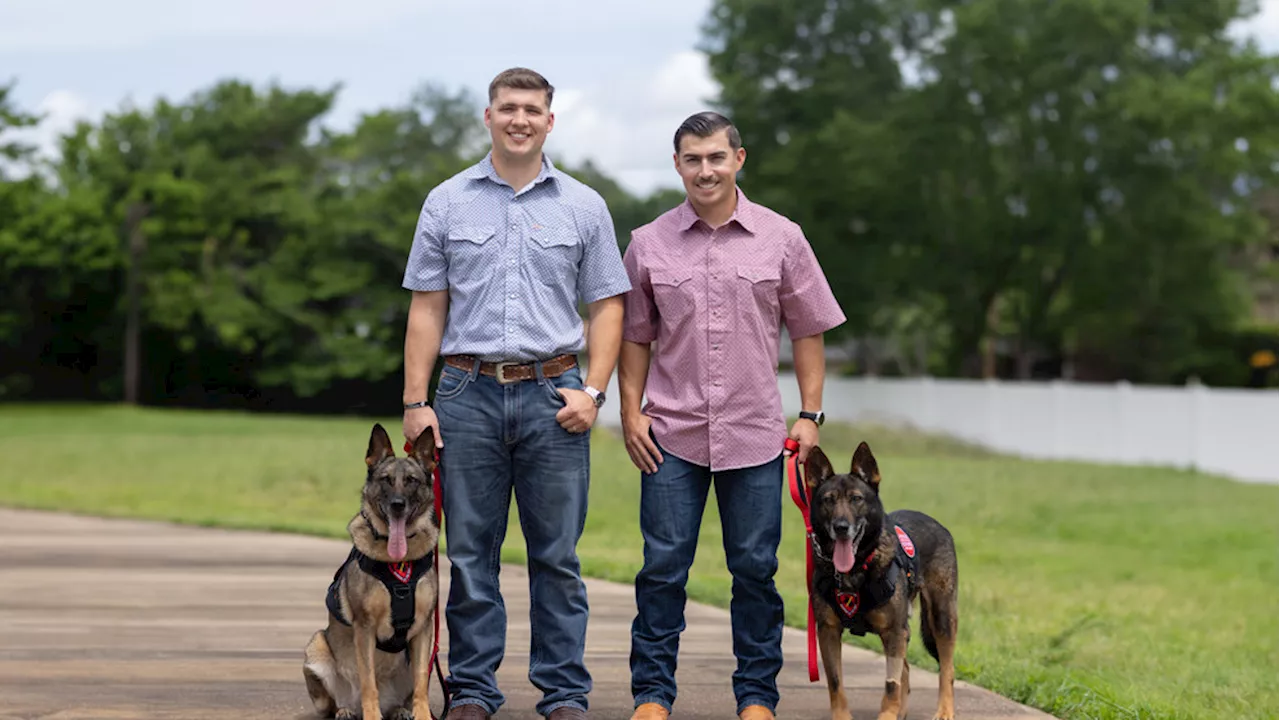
<point>926,626</point>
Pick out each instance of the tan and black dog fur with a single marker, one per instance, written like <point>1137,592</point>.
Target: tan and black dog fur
<point>849,523</point>
<point>346,675</point>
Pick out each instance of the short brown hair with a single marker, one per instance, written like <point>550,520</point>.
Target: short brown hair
<point>519,78</point>
<point>706,124</point>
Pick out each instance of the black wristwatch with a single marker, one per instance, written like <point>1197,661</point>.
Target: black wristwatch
<point>818,417</point>
<point>414,405</point>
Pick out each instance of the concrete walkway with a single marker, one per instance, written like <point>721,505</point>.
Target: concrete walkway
<point>121,619</point>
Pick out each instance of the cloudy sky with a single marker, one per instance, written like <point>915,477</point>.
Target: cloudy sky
<point>623,82</point>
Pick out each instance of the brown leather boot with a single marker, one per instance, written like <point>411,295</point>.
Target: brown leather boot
<point>470,711</point>
<point>650,711</point>
<point>756,712</point>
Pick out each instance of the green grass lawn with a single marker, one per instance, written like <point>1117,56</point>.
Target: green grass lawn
<point>1088,591</point>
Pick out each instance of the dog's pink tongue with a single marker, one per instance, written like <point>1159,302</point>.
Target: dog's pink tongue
<point>843,555</point>
<point>397,547</point>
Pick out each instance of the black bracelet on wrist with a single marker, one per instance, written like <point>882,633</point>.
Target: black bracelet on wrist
<point>414,405</point>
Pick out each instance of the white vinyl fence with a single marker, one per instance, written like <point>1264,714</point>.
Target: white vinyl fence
<point>1232,432</point>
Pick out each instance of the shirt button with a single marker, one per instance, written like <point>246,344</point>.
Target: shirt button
<point>513,296</point>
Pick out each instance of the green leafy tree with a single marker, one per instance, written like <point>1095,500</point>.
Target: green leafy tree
<point>1040,179</point>
<point>57,263</point>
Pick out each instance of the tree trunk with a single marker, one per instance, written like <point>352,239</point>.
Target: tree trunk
<point>132,331</point>
<point>1026,362</point>
<point>989,342</point>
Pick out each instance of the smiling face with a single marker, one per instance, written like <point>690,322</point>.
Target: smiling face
<point>709,167</point>
<point>518,122</point>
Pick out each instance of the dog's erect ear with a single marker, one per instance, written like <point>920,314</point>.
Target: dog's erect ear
<point>379,446</point>
<point>816,468</point>
<point>864,466</point>
<point>424,449</point>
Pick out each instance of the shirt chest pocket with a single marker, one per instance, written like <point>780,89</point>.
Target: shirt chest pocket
<point>553,254</point>
<point>473,234</point>
<point>673,293</point>
<point>471,252</point>
<point>759,285</point>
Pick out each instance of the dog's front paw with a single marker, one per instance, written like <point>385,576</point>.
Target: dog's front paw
<point>401,713</point>
<point>345,714</point>
<point>948,715</point>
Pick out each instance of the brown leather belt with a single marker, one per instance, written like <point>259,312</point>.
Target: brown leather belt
<point>510,372</point>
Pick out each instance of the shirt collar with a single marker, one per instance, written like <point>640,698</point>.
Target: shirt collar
<point>743,214</point>
<point>484,170</point>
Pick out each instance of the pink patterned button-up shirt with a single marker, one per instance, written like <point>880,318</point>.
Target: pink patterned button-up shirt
<point>715,301</point>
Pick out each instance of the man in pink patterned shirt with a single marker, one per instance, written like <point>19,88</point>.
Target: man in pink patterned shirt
<point>713,281</point>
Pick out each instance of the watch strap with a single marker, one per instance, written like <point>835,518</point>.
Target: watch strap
<point>596,395</point>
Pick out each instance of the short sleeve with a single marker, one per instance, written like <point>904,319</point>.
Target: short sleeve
<point>428,267</point>
<point>601,274</point>
<point>640,315</point>
<point>808,305</point>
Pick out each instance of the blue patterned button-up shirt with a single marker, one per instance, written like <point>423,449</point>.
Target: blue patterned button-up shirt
<point>515,264</point>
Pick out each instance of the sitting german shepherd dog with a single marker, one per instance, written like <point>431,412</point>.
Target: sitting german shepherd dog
<point>868,568</point>
<point>383,597</point>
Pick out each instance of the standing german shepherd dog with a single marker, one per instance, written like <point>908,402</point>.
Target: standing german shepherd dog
<point>868,568</point>
<point>383,597</point>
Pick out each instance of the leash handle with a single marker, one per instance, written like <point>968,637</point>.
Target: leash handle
<point>800,495</point>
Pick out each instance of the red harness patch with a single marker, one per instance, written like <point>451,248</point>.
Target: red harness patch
<point>848,602</point>
<point>402,570</point>
<point>907,546</point>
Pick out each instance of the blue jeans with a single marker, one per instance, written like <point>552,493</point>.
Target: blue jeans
<point>671,504</point>
<point>499,439</point>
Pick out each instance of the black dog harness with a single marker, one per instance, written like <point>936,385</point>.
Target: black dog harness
<point>852,607</point>
<point>401,581</point>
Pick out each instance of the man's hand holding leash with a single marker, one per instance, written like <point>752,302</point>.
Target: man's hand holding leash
<point>805,432</point>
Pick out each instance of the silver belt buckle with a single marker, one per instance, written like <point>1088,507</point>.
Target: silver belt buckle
<point>500,373</point>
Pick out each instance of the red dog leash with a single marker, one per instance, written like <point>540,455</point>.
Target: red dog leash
<point>435,641</point>
<point>800,494</point>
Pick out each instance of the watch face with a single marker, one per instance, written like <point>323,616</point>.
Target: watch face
<point>597,396</point>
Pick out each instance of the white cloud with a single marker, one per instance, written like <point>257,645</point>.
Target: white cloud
<point>1264,27</point>
<point>59,110</point>
<point>77,25</point>
<point>683,80</point>
<point>626,126</point>
<point>624,82</point>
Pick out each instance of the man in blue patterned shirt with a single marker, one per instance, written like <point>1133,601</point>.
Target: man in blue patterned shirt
<point>503,253</point>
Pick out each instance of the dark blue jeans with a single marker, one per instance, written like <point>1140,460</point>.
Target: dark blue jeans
<point>499,439</point>
<point>671,505</point>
